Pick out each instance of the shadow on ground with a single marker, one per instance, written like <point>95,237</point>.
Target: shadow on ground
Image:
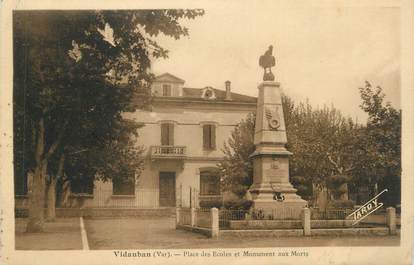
<point>62,234</point>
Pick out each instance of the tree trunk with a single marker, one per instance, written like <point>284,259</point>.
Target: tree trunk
<point>51,191</point>
<point>65,194</point>
<point>37,194</point>
<point>37,189</point>
<point>322,196</point>
<point>51,200</point>
<point>37,199</point>
<point>344,192</point>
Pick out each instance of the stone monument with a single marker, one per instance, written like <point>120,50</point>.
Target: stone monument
<point>271,191</point>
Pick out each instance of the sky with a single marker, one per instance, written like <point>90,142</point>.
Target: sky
<point>323,53</point>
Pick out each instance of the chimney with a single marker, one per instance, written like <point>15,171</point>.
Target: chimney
<point>228,90</point>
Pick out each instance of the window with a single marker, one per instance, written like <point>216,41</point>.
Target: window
<point>209,136</point>
<point>167,134</point>
<point>209,183</point>
<point>81,185</point>
<point>121,186</point>
<point>166,90</point>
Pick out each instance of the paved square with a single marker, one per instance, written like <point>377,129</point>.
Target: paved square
<point>62,234</point>
<point>143,233</point>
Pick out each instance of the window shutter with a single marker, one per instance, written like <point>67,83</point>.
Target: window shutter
<point>206,136</point>
<point>166,90</point>
<point>170,134</point>
<point>212,137</point>
<point>164,134</point>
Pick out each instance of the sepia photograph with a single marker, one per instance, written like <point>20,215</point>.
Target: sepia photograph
<point>193,133</point>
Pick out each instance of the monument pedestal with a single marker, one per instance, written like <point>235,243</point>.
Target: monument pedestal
<point>271,191</point>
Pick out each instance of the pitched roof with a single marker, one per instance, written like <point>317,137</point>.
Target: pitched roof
<point>167,77</point>
<point>195,93</point>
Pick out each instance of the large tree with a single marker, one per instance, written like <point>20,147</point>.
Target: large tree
<point>321,140</point>
<point>236,170</point>
<point>75,73</point>
<point>328,149</point>
<point>378,163</point>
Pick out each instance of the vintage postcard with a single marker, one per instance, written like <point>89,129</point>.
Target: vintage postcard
<point>197,132</point>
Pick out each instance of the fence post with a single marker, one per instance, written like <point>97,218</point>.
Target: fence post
<point>193,217</point>
<point>214,222</point>
<point>191,205</point>
<point>391,220</point>
<point>196,198</point>
<point>177,216</point>
<point>181,195</point>
<point>306,221</point>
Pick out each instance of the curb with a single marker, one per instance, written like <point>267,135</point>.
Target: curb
<point>85,245</point>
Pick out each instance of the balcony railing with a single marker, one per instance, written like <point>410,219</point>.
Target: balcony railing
<point>167,151</point>
<point>202,197</point>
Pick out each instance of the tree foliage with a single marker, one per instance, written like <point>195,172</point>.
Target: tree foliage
<point>378,155</point>
<point>328,149</point>
<point>322,142</point>
<point>236,169</point>
<point>75,73</point>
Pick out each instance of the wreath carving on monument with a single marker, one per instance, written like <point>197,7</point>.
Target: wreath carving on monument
<point>272,120</point>
<point>277,195</point>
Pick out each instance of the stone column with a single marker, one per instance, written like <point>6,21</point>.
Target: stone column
<point>214,222</point>
<point>306,221</point>
<point>271,190</point>
<point>193,221</point>
<point>391,220</point>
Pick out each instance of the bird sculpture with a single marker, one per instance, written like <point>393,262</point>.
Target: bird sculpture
<point>267,61</point>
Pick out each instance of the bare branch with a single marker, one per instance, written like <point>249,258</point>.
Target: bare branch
<point>335,164</point>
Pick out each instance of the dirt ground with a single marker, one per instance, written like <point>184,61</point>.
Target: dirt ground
<point>139,233</point>
<point>63,234</point>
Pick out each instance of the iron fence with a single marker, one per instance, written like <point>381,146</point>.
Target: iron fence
<point>185,216</point>
<point>284,213</point>
<point>203,217</point>
<point>330,213</point>
<point>168,151</point>
<point>225,216</point>
<point>210,198</point>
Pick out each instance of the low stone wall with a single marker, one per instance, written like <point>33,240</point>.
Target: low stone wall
<point>104,212</point>
<point>265,224</point>
<point>195,229</point>
<point>331,223</point>
<point>286,224</point>
<point>116,212</point>
<point>375,231</point>
<point>261,233</point>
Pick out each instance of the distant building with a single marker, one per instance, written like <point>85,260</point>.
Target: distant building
<point>183,135</point>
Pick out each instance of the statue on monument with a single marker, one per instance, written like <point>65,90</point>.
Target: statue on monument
<point>267,61</point>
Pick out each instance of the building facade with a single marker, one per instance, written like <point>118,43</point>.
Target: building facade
<point>183,135</point>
